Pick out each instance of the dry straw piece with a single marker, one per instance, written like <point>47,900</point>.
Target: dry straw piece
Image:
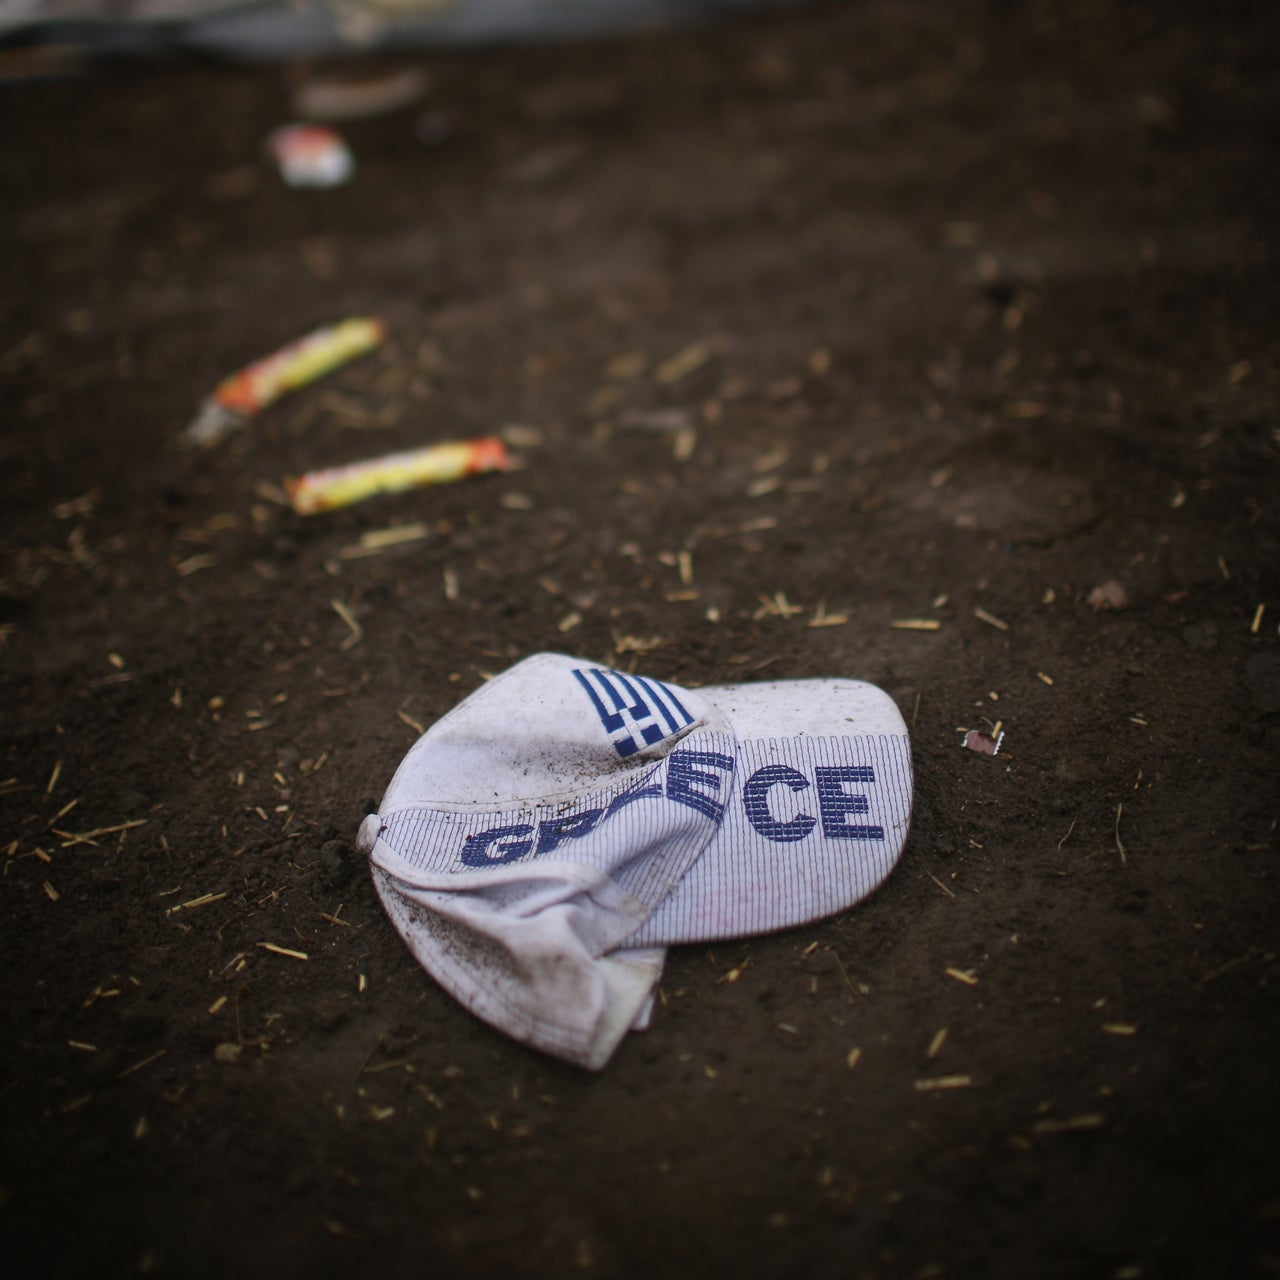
<point>990,619</point>
<point>283,951</point>
<point>934,1083</point>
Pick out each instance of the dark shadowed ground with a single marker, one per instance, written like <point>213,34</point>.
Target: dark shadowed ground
<point>983,307</point>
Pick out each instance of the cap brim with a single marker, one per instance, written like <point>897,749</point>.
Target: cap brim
<point>816,814</point>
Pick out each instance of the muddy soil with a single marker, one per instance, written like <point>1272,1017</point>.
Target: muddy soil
<point>973,315</point>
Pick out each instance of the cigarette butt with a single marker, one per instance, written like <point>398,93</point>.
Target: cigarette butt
<point>334,487</point>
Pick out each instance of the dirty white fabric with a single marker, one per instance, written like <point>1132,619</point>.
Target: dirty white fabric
<point>542,844</point>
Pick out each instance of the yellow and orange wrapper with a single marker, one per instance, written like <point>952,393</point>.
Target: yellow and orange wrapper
<point>334,487</point>
<point>304,360</point>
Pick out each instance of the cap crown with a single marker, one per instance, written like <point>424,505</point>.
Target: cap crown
<point>552,727</point>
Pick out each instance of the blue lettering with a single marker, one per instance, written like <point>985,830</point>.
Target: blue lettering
<point>555,831</point>
<point>683,777</point>
<point>475,852</point>
<point>694,779</point>
<point>834,802</point>
<point>640,792</point>
<point>755,799</point>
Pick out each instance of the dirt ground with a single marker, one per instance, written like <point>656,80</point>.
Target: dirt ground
<point>975,311</point>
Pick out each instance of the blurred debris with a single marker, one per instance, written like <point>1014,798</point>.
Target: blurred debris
<point>545,164</point>
<point>311,156</point>
<point>353,95</point>
<point>334,487</point>
<point>1110,595</point>
<point>247,392</point>
<point>520,435</point>
<point>683,363</point>
<point>273,30</point>
<point>672,420</point>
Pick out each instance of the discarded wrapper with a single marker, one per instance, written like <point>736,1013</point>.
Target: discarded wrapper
<point>976,740</point>
<point>335,487</point>
<point>245,393</point>
<point>311,155</point>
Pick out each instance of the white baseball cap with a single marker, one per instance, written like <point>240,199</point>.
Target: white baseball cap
<point>541,845</point>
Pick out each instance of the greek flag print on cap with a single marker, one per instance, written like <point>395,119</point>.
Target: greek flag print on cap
<point>541,845</point>
<point>632,707</point>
